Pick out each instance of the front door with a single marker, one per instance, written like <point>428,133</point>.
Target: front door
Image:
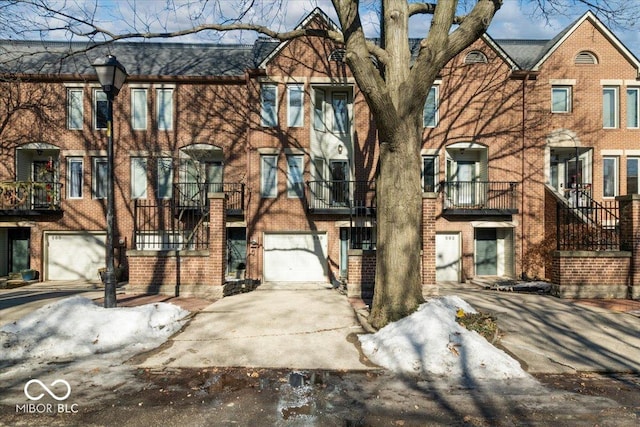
<point>43,173</point>
<point>214,176</point>
<point>466,173</point>
<point>18,249</point>
<point>486,252</point>
<point>339,183</point>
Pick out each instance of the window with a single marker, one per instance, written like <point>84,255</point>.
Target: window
<point>430,112</point>
<point>268,105</point>
<point>610,107</point>
<point>99,181</point>
<point>295,166</point>
<point>100,109</point>
<point>561,99</point>
<point>165,109</point>
<point>74,177</point>
<point>610,176</point>
<point>429,173</point>
<point>164,174</point>
<point>296,100</point>
<point>75,109</point>
<point>138,109</point>
<point>268,176</point>
<point>318,110</point>
<point>632,175</point>
<point>138,178</point>
<point>633,107</point>
<point>340,112</point>
<point>475,57</point>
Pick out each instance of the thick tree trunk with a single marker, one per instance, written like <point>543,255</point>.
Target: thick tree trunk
<point>398,288</point>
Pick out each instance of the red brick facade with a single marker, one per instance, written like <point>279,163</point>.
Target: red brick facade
<point>494,124</point>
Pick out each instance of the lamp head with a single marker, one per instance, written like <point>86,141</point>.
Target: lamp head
<point>111,74</point>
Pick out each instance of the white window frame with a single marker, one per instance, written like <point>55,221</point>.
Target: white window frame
<point>615,160</point>
<point>568,93</point>
<point>636,119</point>
<point>295,181</point>
<point>164,108</point>
<point>616,107</point>
<point>295,113</point>
<point>436,161</point>
<point>340,115</point>
<point>637,176</point>
<point>268,168</point>
<point>99,93</point>
<point>95,182</point>
<point>268,106</point>
<point>71,178</point>
<point>75,106</point>
<point>138,177</point>
<point>164,172</point>
<point>434,93</point>
<point>139,109</point>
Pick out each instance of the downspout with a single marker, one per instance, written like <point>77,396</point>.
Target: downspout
<point>522,180</point>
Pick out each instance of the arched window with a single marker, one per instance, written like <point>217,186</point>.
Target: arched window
<point>337,55</point>
<point>586,58</point>
<point>475,57</point>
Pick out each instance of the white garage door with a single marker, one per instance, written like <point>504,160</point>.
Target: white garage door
<point>76,256</point>
<point>295,257</point>
<point>448,257</point>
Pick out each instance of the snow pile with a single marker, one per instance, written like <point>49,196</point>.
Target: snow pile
<point>77,327</point>
<point>430,341</point>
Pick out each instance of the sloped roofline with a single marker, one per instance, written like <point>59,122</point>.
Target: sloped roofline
<point>317,12</point>
<point>501,52</point>
<point>600,26</point>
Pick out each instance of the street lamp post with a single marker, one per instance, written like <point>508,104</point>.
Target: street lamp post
<point>111,75</point>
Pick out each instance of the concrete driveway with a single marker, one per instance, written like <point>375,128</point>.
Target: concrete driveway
<point>295,326</point>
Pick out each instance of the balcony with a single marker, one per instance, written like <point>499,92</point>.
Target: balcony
<point>29,198</point>
<point>193,195</point>
<point>340,197</point>
<point>479,198</point>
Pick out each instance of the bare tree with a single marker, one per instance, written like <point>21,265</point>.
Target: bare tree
<point>395,87</point>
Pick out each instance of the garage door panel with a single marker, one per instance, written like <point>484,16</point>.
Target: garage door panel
<point>295,257</point>
<point>75,256</point>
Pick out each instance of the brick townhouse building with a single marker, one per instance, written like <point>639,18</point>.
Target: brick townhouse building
<point>259,160</point>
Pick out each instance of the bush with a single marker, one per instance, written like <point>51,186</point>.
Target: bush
<point>483,323</point>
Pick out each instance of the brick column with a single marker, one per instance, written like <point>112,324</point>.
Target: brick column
<point>217,237</point>
<point>429,201</point>
<point>630,237</point>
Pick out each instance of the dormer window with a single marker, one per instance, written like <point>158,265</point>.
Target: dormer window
<point>475,57</point>
<point>586,58</point>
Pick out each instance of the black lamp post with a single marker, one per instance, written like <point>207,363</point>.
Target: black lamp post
<point>111,75</point>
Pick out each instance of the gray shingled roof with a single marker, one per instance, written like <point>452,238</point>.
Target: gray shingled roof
<point>525,53</point>
<point>143,59</point>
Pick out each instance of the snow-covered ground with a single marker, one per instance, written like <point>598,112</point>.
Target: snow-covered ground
<point>431,342</point>
<point>85,344</point>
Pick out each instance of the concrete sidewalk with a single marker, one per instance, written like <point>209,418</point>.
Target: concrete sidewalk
<point>294,326</point>
<point>551,335</point>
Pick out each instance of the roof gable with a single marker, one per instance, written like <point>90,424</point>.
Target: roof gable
<point>557,41</point>
<point>316,13</point>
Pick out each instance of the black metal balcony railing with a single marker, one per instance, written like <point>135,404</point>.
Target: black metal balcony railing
<point>30,196</point>
<point>194,195</point>
<point>480,197</point>
<point>339,196</point>
<point>157,226</point>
